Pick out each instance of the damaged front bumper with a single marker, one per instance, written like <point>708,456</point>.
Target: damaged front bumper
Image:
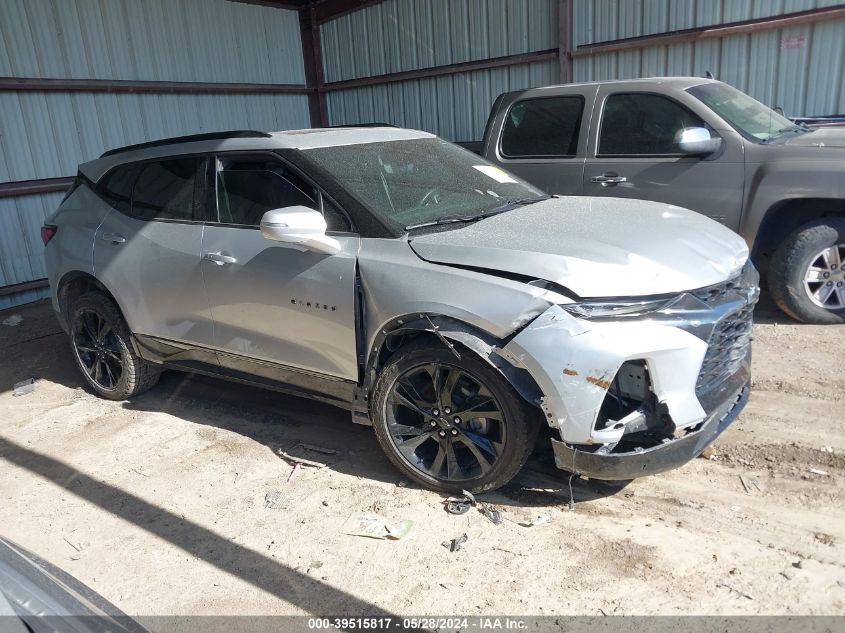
<point>639,395</point>
<point>655,459</point>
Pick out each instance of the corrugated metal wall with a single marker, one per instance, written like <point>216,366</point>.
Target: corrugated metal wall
<point>799,68</point>
<point>47,134</point>
<point>399,35</point>
<point>454,107</point>
<point>153,40</point>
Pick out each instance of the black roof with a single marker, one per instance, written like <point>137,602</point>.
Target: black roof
<point>210,136</point>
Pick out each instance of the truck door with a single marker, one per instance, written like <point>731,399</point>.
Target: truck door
<point>543,138</point>
<point>634,154</point>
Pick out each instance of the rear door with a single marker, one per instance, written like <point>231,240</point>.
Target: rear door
<point>147,249</point>
<point>633,154</point>
<point>279,311</point>
<point>543,138</point>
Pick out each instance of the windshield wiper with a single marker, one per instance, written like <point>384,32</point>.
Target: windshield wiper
<point>453,219</point>
<point>788,130</point>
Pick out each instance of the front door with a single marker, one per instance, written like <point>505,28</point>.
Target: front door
<point>279,311</point>
<point>147,251</point>
<point>635,156</point>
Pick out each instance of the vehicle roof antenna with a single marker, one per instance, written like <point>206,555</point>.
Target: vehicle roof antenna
<point>708,75</point>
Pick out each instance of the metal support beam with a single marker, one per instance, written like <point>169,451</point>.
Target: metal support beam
<point>564,40</point>
<point>448,69</point>
<point>715,31</point>
<point>37,84</point>
<point>31,187</point>
<point>312,56</point>
<point>326,10</point>
<point>27,285</point>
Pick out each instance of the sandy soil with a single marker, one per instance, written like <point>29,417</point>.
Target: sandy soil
<point>159,503</point>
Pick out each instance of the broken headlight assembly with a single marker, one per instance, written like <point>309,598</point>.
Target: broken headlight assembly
<point>615,308</point>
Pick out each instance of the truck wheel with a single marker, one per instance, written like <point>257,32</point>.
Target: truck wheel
<point>102,348</point>
<point>451,424</point>
<point>806,275</point>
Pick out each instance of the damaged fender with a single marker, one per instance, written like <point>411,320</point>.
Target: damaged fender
<point>574,362</point>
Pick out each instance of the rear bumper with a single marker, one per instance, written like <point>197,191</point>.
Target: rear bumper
<point>650,461</point>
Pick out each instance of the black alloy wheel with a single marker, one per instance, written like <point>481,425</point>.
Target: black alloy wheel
<point>98,349</point>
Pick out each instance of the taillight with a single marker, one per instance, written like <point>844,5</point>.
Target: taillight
<point>47,233</point>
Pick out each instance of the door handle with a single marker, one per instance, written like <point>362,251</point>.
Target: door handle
<point>114,238</point>
<point>219,258</point>
<point>609,179</point>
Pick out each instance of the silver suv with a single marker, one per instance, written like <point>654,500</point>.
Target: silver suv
<point>442,300</point>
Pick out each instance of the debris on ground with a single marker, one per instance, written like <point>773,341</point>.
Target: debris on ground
<point>818,471</point>
<point>77,548</point>
<point>294,455</point>
<point>457,507</point>
<point>491,513</point>
<point>540,519</point>
<point>462,506</point>
<point>456,543</point>
<point>708,453</point>
<point>736,591</point>
<point>750,484</point>
<point>274,500</point>
<point>375,526</point>
<point>293,471</point>
<point>24,387</point>
<point>13,321</point>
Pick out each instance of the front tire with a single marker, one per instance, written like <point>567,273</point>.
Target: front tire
<point>451,424</point>
<point>101,344</point>
<point>806,276</point>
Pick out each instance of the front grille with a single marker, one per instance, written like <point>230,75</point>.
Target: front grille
<point>728,348</point>
<point>712,295</point>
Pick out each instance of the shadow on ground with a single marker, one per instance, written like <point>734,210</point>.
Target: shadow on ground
<point>37,348</point>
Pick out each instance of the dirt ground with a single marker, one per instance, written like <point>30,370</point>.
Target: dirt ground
<point>159,503</point>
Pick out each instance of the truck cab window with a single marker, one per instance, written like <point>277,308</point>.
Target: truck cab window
<point>637,124</point>
<point>544,127</point>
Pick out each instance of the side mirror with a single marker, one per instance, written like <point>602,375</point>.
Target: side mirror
<point>299,225</point>
<point>697,141</point>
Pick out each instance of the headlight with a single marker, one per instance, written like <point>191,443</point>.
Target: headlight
<point>625,307</point>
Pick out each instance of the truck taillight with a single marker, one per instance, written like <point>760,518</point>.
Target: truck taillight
<point>47,233</point>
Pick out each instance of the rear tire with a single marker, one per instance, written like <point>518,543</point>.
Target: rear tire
<point>434,436</point>
<point>102,347</point>
<point>803,270</point>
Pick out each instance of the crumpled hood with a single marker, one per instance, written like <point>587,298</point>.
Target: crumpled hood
<point>596,247</point>
<point>819,137</point>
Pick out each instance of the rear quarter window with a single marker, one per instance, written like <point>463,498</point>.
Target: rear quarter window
<point>116,187</point>
<point>543,127</point>
<point>166,190</point>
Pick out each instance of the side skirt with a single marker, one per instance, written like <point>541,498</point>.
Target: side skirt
<point>249,371</point>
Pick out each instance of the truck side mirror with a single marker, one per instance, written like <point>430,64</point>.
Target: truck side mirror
<point>697,141</point>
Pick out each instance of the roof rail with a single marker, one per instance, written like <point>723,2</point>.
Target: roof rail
<point>210,136</point>
<point>373,124</point>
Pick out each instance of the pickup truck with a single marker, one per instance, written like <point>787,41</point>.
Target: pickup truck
<point>700,144</point>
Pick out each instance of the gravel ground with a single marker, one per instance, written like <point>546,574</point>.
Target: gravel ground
<point>159,503</point>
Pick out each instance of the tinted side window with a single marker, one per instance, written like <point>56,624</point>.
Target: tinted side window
<point>116,187</point>
<point>543,127</point>
<point>637,124</point>
<point>165,190</point>
<point>247,187</point>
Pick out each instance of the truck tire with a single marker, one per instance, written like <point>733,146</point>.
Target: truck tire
<point>806,276</point>
<point>102,347</point>
<point>435,435</point>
